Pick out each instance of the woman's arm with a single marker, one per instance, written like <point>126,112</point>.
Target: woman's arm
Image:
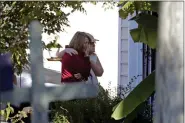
<point>70,51</point>
<point>60,54</point>
<point>96,65</point>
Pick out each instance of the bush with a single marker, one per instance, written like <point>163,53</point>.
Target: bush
<point>96,110</point>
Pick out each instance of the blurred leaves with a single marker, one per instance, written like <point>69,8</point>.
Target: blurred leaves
<point>129,7</point>
<point>6,112</point>
<point>147,24</point>
<point>15,17</point>
<point>17,118</point>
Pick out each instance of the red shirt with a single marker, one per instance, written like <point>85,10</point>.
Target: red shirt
<point>75,64</point>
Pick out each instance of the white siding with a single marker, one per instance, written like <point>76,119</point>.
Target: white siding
<point>135,57</point>
<point>129,54</point>
<point>123,51</point>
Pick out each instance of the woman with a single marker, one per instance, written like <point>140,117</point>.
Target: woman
<point>94,60</point>
<point>76,68</point>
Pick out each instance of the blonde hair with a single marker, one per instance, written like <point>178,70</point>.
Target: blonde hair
<point>78,40</point>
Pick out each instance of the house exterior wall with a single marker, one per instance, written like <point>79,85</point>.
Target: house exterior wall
<point>123,61</point>
<point>129,54</point>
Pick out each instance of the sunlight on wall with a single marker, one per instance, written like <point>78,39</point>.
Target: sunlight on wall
<point>103,25</point>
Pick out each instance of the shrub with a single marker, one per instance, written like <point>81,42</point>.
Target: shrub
<point>95,110</point>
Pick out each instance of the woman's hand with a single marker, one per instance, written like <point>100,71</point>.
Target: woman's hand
<point>87,50</point>
<point>70,51</point>
<point>78,76</point>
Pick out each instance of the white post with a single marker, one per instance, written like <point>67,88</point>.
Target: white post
<point>170,65</point>
<point>37,72</point>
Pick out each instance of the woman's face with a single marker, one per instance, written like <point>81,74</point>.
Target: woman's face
<point>92,48</point>
<point>86,44</point>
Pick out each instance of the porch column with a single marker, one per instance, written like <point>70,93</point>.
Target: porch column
<point>170,65</point>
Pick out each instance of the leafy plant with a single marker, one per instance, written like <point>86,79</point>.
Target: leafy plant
<point>139,94</point>
<point>14,27</point>
<point>147,24</point>
<point>96,110</point>
<point>14,119</point>
<point>128,8</point>
<point>145,33</point>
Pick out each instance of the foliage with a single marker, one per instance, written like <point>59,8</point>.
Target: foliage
<point>128,8</point>
<point>96,110</point>
<point>146,33</point>
<point>109,5</point>
<point>14,119</point>
<point>147,29</point>
<point>147,24</point>
<point>135,98</point>
<point>124,91</point>
<point>15,17</point>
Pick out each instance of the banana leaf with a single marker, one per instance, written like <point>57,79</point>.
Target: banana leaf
<point>146,20</point>
<point>144,35</point>
<point>147,30</point>
<point>135,98</point>
<point>134,113</point>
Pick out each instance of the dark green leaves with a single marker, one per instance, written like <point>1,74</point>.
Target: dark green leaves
<point>144,35</point>
<point>146,20</point>
<point>146,31</point>
<point>126,9</point>
<point>129,7</point>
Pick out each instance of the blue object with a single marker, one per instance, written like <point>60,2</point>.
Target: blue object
<point>6,72</point>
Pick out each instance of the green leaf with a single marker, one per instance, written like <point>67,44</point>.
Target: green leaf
<point>2,112</point>
<point>135,98</point>
<point>11,110</point>
<point>114,108</point>
<point>93,2</point>
<point>7,113</point>
<point>129,7</point>
<point>135,34</point>
<point>123,14</point>
<point>8,104</point>
<point>9,107</point>
<point>13,4</point>
<point>155,6</point>
<point>23,114</point>
<point>126,4</point>
<point>146,20</point>
<point>144,35</point>
<point>134,113</point>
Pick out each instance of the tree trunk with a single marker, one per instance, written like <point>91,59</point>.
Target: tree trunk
<point>169,68</point>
